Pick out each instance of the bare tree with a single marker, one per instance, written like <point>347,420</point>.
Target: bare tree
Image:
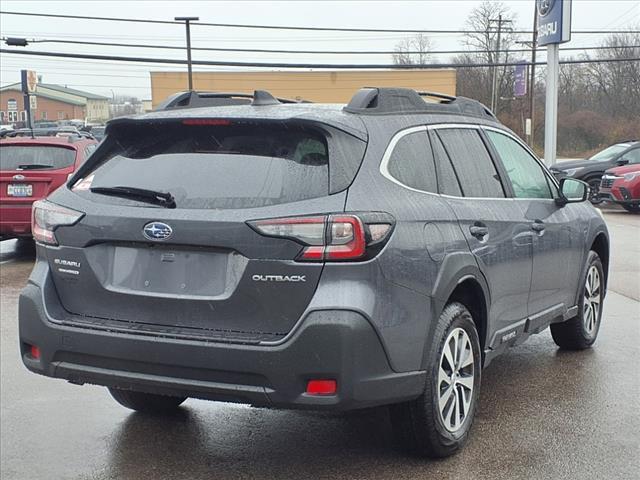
<point>617,84</point>
<point>413,51</point>
<point>482,36</point>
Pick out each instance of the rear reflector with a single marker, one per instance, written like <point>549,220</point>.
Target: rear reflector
<point>35,352</point>
<point>322,387</point>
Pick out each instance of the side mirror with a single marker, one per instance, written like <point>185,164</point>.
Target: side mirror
<point>572,191</point>
<point>622,161</point>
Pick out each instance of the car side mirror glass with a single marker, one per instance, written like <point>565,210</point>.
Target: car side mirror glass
<point>622,161</point>
<point>572,191</point>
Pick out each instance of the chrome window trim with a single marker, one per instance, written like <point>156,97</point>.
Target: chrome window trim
<point>384,164</point>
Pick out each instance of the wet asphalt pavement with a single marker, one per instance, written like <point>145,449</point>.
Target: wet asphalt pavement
<point>544,414</point>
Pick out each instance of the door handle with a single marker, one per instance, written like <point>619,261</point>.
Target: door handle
<point>538,226</point>
<point>479,231</point>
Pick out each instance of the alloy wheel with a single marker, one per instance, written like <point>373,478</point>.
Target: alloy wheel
<point>592,300</point>
<point>455,380</point>
<point>594,191</point>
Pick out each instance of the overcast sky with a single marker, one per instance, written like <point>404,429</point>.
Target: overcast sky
<point>108,77</point>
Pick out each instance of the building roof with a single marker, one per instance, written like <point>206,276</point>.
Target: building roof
<point>52,89</point>
<point>73,91</point>
<point>18,88</point>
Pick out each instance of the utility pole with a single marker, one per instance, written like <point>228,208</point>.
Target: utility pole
<point>187,22</point>
<point>494,82</point>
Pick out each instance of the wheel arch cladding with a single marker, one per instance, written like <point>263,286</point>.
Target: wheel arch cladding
<point>470,293</point>
<point>600,245</point>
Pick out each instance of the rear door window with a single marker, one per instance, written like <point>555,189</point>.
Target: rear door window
<point>411,162</point>
<point>447,181</point>
<point>472,163</point>
<point>35,157</point>
<point>222,166</point>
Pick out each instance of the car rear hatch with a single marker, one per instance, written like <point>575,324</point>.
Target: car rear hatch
<point>201,269</point>
<point>29,171</point>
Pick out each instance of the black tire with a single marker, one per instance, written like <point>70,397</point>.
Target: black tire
<point>631,207</point>
<point>146,402</point>
<point>594,190</point>
<point>418,424</point>
<point>574,334</point>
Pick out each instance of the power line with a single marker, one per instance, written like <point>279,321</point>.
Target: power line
<point>285,27</point>
<point>369,66</point>
<point>312,52</point>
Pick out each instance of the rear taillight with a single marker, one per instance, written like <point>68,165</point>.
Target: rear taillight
<point>329,237</point>
<point>47,216</point>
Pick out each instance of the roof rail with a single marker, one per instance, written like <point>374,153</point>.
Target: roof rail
<point>441,96</point>
<point>195,99</point>
<point>376,101</point>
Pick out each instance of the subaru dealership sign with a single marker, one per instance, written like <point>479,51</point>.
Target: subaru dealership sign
<point>554,21</point>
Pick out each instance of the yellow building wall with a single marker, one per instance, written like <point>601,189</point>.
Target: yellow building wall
<point>324,87</point>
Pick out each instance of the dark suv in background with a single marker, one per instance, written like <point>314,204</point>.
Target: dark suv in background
<point>592,169</point>
<point>311,256</point>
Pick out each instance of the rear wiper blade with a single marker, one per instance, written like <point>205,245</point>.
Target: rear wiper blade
<point>33,166</point>
<point>164,199</point>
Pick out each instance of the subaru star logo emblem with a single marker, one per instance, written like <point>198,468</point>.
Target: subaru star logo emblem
<point>19,177</point>
<point>545,6</point>
<point>157,231</point>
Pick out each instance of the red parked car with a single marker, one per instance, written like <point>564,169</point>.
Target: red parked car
<point>622,186</point>
<point>32,168</point>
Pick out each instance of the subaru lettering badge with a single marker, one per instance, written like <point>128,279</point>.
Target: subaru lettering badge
<point>545,6</point>
<point>157,231</point>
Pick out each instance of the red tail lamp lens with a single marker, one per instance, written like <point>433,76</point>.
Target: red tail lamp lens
<point>47,216</point>
<point>322,387</point>
<point>348,241</point>
<point>326,237</point>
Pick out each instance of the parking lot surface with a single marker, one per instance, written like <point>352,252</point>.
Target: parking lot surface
<point>543,414</point>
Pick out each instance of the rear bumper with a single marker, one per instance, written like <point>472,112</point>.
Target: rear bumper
<point>15,220</point>
<point>329,344</point>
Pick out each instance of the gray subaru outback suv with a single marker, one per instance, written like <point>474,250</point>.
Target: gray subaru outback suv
<point>300,255</point>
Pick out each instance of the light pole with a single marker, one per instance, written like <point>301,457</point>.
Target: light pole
<point>187,22</point>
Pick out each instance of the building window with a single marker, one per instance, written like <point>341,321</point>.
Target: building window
<point>13,116</point>
<point>60,115</point>
<point>1,116</point>
<point>23,115</point>
<point>43,115</point>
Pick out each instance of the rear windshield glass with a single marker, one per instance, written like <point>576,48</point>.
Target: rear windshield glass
<point>23,157</point>
<point>216,166</point>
